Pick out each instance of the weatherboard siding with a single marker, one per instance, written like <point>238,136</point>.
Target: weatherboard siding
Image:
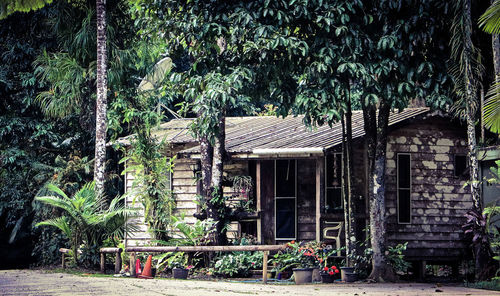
<point>438,198</point>
<point>185,190</point>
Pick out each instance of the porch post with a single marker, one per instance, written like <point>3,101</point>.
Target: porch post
<point>319,194</point>
<point>258,197</point>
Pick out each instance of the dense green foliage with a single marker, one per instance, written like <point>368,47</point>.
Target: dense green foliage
<point>47,84</point>
<point>29,143</point>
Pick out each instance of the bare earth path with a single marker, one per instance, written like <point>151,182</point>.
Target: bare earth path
<point>37,282</point>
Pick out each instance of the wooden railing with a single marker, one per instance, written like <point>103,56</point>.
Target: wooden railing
<point>164,249</point>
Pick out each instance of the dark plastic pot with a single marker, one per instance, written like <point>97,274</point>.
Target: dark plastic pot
<point>326,278</point>
<point>180,273</point>
<point>302,275</point>
<point>351,277</point>
<point>344,270</point>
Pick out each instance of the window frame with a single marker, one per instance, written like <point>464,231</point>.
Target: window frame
<point>398,188</point>
<point>465,174</point>
<point>335,154</point>
<point>285,197</point>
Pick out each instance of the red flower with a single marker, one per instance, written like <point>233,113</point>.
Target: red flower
<point>330,273</point>
<point>325,269</point>
<point>334,267</point>
<point>336,271</point>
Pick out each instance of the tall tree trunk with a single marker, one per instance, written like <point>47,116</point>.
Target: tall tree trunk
<point>206,153</point>
<point>101,104</point>
<point>471,94</point>
<point>347,191</point>
<point>217,208</point>
<point>495,43</point>
<point>376,130</point>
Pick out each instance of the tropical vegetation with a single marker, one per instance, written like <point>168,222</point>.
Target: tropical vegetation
<point>77,73</point>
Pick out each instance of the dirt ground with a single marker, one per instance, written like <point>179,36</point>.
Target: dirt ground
<point>39,282</point>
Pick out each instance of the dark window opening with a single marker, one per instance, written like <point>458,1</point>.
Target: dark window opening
<point>404,188</point>
<point>285,218</point>
<point>285,206</point>
<point>461,169</point>
<point>248,228</point>
<point>333,183</point>
<point>285,178</point>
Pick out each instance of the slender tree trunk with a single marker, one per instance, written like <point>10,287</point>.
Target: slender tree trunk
<point>347,192</point>
<point>350,171</point>
<point>206,152</point>
<point>377,140</point>
<point>217,204</point>
<point>495,43</point>
<point>101,105</point>
<point>471,94</point>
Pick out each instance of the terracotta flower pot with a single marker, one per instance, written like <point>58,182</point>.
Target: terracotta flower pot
<point>302,275</point>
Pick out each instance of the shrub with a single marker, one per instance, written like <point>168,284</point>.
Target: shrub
<point>237,264</point>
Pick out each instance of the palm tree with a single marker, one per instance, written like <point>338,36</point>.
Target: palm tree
<point>466,71</point>
<point>101,104</point>
<point>85,221</point>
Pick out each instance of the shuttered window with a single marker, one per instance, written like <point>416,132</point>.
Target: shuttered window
<point>404,188</point>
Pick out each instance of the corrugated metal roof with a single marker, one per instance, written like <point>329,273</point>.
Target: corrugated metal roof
<point>245,134</point>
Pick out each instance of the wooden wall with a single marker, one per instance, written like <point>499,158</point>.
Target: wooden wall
<point>140,237</point>
<point>185,189</point>
<point>438,198</point>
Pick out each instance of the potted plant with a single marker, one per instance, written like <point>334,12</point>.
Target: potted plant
<point>301,258</point>
<point>328,274</point>
<point>178,263</point>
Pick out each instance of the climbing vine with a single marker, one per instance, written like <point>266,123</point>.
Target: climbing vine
<point>152,183</point>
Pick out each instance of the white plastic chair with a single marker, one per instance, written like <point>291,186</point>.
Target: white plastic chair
<point>336,226</point>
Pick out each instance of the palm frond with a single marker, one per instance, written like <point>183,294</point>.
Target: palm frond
<point>61,223</point>
<point>56,202</point>
<point>490,20</point>
<point>492,108</point>
<point>465,62</point>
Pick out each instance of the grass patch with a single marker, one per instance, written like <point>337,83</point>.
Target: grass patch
<point>487,285</point>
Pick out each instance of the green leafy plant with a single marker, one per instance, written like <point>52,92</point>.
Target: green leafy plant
<point>298,255</point>
<point>86,221</point>
<point>237,264</point>
<point>151,185</point>
<point>396,258</point>
<point>171,260</point>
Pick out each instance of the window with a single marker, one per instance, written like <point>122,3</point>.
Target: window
<point>404,188</point>
<point>285,199</point>
<point>333,181</point>
<point>460,167</point>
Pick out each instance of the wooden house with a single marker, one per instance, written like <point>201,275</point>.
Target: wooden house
<point>296,176</point>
